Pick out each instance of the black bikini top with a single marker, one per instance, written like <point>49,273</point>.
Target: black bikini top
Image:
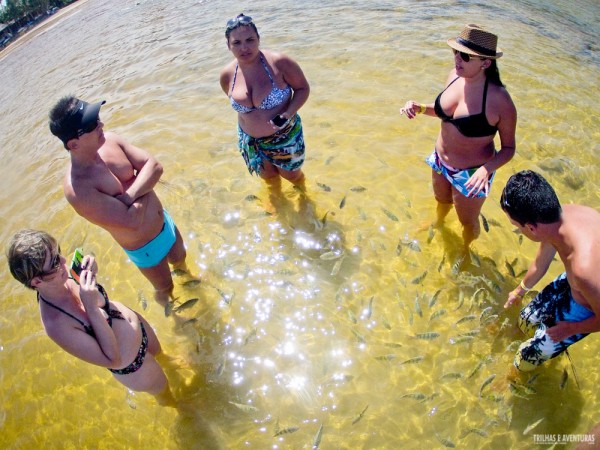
<point>112,313</point>
<point>475,125</point>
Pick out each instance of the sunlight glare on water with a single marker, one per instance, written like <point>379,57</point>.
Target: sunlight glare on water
<point>342,320</point>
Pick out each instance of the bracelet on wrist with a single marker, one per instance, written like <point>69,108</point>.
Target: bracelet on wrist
<point>422,108</point>
<point>525,288</point>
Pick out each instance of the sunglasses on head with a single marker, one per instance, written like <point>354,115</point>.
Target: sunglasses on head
<point>465,56</point>
<point>54,265</point>
<point>88,128</point>
<point>238,21</point>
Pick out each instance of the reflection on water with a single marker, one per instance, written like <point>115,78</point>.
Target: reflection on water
<point>341,319</point>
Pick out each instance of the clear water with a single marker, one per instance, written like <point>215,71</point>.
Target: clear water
<point>306,341</point>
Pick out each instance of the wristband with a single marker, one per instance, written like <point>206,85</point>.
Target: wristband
<point>422,108</point>
<point>525,288</point>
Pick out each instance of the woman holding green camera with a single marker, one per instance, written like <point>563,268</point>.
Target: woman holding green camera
<point>82,320</point>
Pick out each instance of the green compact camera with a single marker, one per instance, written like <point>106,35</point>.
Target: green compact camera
<point>76,264</point>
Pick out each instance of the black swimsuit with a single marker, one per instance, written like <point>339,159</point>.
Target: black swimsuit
<point>112,314</point>
<point>475,125</point>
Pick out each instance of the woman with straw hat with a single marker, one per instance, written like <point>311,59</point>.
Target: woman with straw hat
<point>473,107</point>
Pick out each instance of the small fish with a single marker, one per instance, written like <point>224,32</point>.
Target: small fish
<point>452,376</point>
<point>352,316</point>
<point>466,319</point>
<point>142,300</point>
<point>328,256</point>
<point>186,305</point>
<point>251,198</point>
<point>243,407</point>
<point>564,378</point>
<point>487,381</point>
<point>419,279</point>
<point>477,368</point>
<point>461,300</point>
<point>343,202</point>
<point>477,431</point>
<point>510,269</point>
<point>415,396</point>
<point>532,426</point>
<point>317,439</point>
<point>336,267</point>
<point>324,218</point>
<point>437,314</point>
<point>474,259</point>
<point>413,245</point>
<point>489,319</point>
<point>521,389</point>
<point>324,187</point>
<point>427,336</point>
<point>392,344</point>
<point>385,323</point>
<point>520,239</point>
<point>399,248</point>
<point>434,298</point>
<point>359,336</point>
<point>287,430</point>
<point>191,283</point>
<point>328,160</point>
<point>441,264</point>
<point>445,442</point>
<point>169,308</point>
<point>430,234</point>
<point>418,309</point>
<point>461,339</point>
<point>532,378</point>
<point>506,415</point>
<point>474,296</point>
<point>360,415</point>
<point>415,360</point>
<point>387,357</point>
<point>494,222</point>
<point>250,336</point>
<point>358,189</point>
<point>390,215</point>
<point>486,225</point>
<point>456,265</point>
<point>485,312</point>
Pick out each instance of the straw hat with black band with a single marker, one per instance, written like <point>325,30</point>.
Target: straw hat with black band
<point>476,41</point>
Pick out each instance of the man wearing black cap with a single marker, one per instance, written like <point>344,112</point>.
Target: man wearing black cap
<point>111,183</point>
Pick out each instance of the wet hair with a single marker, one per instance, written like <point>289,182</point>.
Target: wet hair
<point>529,198</point>
<point>59,118</point>
<point>229,29</point>
<point>493,74</point>
<point>27,253</point>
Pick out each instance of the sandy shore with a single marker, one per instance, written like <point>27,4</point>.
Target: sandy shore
<point>40,28</point>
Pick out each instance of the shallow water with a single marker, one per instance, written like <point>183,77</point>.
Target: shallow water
<point>304,340</point>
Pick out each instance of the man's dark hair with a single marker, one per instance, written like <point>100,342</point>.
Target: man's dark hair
<point>529,198</point>
<point>59,117</point>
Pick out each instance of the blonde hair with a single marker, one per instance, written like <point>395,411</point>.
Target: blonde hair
<point>26,254</point>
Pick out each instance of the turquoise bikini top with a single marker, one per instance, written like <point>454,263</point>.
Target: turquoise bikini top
<point>275,98</point>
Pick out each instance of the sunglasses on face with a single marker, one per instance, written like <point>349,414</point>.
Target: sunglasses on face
<point>465,56</point>
<point>238,21</point>
<point>54,265</point>
<point>88,128</point>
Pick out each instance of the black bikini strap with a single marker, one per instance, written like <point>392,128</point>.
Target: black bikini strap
<point>485,88</point>
<point>62,311</point>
